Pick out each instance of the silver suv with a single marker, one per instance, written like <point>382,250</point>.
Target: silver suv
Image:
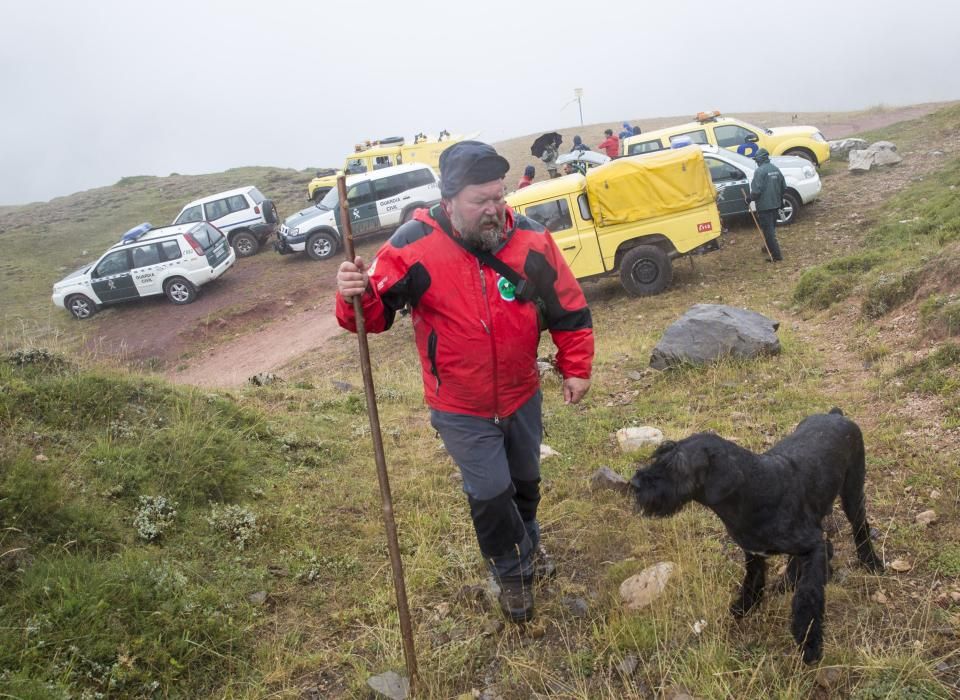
<point>378,201</point>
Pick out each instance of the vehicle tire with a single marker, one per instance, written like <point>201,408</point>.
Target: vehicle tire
<point>802,153</point>
<point>81,307</point>
<point>269,211</point>
<point>645,270</point>
<point>322,245</point>
<point>179,290</point>
<point>789,210</point>
<point>245,244</point>
<point>320,193</point>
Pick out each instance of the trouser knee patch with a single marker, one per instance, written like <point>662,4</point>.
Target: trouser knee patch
<point>527,498</point>
<point>497,523</point>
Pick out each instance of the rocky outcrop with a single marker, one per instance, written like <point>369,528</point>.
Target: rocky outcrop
<point>708,332</point>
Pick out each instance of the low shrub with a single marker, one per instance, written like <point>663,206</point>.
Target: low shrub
<point>889,291</point>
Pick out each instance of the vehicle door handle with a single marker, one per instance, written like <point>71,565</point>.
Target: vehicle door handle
<point>570,247</point>
<point>407,197</point>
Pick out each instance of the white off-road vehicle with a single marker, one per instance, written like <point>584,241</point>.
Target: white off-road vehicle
<point>378,201</point>
<point>246,217</point>
<point>172,260</point>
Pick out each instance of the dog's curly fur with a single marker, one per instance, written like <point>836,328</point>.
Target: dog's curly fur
<point>772,503</point>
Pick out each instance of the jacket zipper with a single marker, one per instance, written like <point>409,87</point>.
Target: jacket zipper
<point>493,345</point>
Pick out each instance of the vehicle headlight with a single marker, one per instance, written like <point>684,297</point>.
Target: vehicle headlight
<point>808,172</point>
<point>295,231</point>
<point>817,136</point>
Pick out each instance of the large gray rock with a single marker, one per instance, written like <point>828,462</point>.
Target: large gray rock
<point>879,153</point>
<point>841,149</point>
<point>708,332</point>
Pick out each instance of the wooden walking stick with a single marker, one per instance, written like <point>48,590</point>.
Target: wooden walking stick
<point>386,499</point>
<point>756,223</point>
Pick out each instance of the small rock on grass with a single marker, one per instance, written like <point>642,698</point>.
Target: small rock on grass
<point>628,666</point>
<point>547,451</point>
<point>493,627</point>
<point>390,685</point>
<point>258,598</point>
<point>606,478</point>
<point>639,591</point>
<point>633,439</point>
<point>901,565</point>
<point>927,517</point>
<point>578,607</point>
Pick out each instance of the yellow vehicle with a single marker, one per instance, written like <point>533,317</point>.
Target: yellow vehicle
<point>373,155</point>
<point>735,135</point>
<point>631,215</point>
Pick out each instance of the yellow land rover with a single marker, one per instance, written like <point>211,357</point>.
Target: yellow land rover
<point>631,215</point>
<point>728,132</point>
<point>373,155</point>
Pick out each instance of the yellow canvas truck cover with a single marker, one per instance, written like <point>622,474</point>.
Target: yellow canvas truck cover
<point>650,185</point>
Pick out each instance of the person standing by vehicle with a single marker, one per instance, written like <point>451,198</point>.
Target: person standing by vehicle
<point>477,335</point>
<point>766,198</point>
<point>610,145</point>
<point>579,145</point>
<point>529,173</point>
<point>627,131</point>
<point>549,158</point>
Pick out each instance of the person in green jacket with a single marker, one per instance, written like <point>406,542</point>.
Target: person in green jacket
<point>766,197</point>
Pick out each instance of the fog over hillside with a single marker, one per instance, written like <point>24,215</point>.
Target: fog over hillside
<point>97,91</point>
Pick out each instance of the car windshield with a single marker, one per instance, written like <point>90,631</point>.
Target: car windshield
<point>329,200</point>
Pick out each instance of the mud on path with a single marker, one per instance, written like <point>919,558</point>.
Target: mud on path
<point>269,310</point>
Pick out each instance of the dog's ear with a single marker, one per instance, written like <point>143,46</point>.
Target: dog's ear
<point>662,449</point>
<point>723,478</point>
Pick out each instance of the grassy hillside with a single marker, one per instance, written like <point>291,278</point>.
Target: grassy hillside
<point>161,542</point>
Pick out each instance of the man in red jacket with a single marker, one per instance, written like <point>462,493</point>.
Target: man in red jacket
<point>610,145</point>
<point>474,275</point>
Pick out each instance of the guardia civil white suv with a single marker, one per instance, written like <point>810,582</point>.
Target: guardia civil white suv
<point>244,215</point>
<point>171,260</point>
<point>378,201</point>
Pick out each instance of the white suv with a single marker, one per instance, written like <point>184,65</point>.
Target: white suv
<point>378,201</point>
<point>172,260</point>
<point>246,217</point>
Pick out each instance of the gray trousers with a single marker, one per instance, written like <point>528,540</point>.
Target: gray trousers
<point>500,465</point>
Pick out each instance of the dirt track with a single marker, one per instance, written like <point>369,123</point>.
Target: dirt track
<point>269,310</point>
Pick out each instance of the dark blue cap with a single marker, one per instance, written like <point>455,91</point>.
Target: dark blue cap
<point>469,163</point>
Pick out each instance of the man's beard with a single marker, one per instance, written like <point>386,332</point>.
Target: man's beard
<point>487,235</point>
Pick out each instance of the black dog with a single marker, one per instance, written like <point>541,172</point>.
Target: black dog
<point>771,504</point>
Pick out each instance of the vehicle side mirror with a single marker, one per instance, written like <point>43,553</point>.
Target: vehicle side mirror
<point>752,138</point>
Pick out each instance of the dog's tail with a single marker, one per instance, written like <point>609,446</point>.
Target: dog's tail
<point>836,410</point>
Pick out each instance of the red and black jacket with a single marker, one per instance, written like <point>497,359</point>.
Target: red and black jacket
<point>477,343</point>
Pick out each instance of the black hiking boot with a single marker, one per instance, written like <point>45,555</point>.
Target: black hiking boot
<point>516,598</point>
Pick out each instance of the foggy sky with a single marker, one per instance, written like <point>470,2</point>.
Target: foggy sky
<point>94,91</point>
